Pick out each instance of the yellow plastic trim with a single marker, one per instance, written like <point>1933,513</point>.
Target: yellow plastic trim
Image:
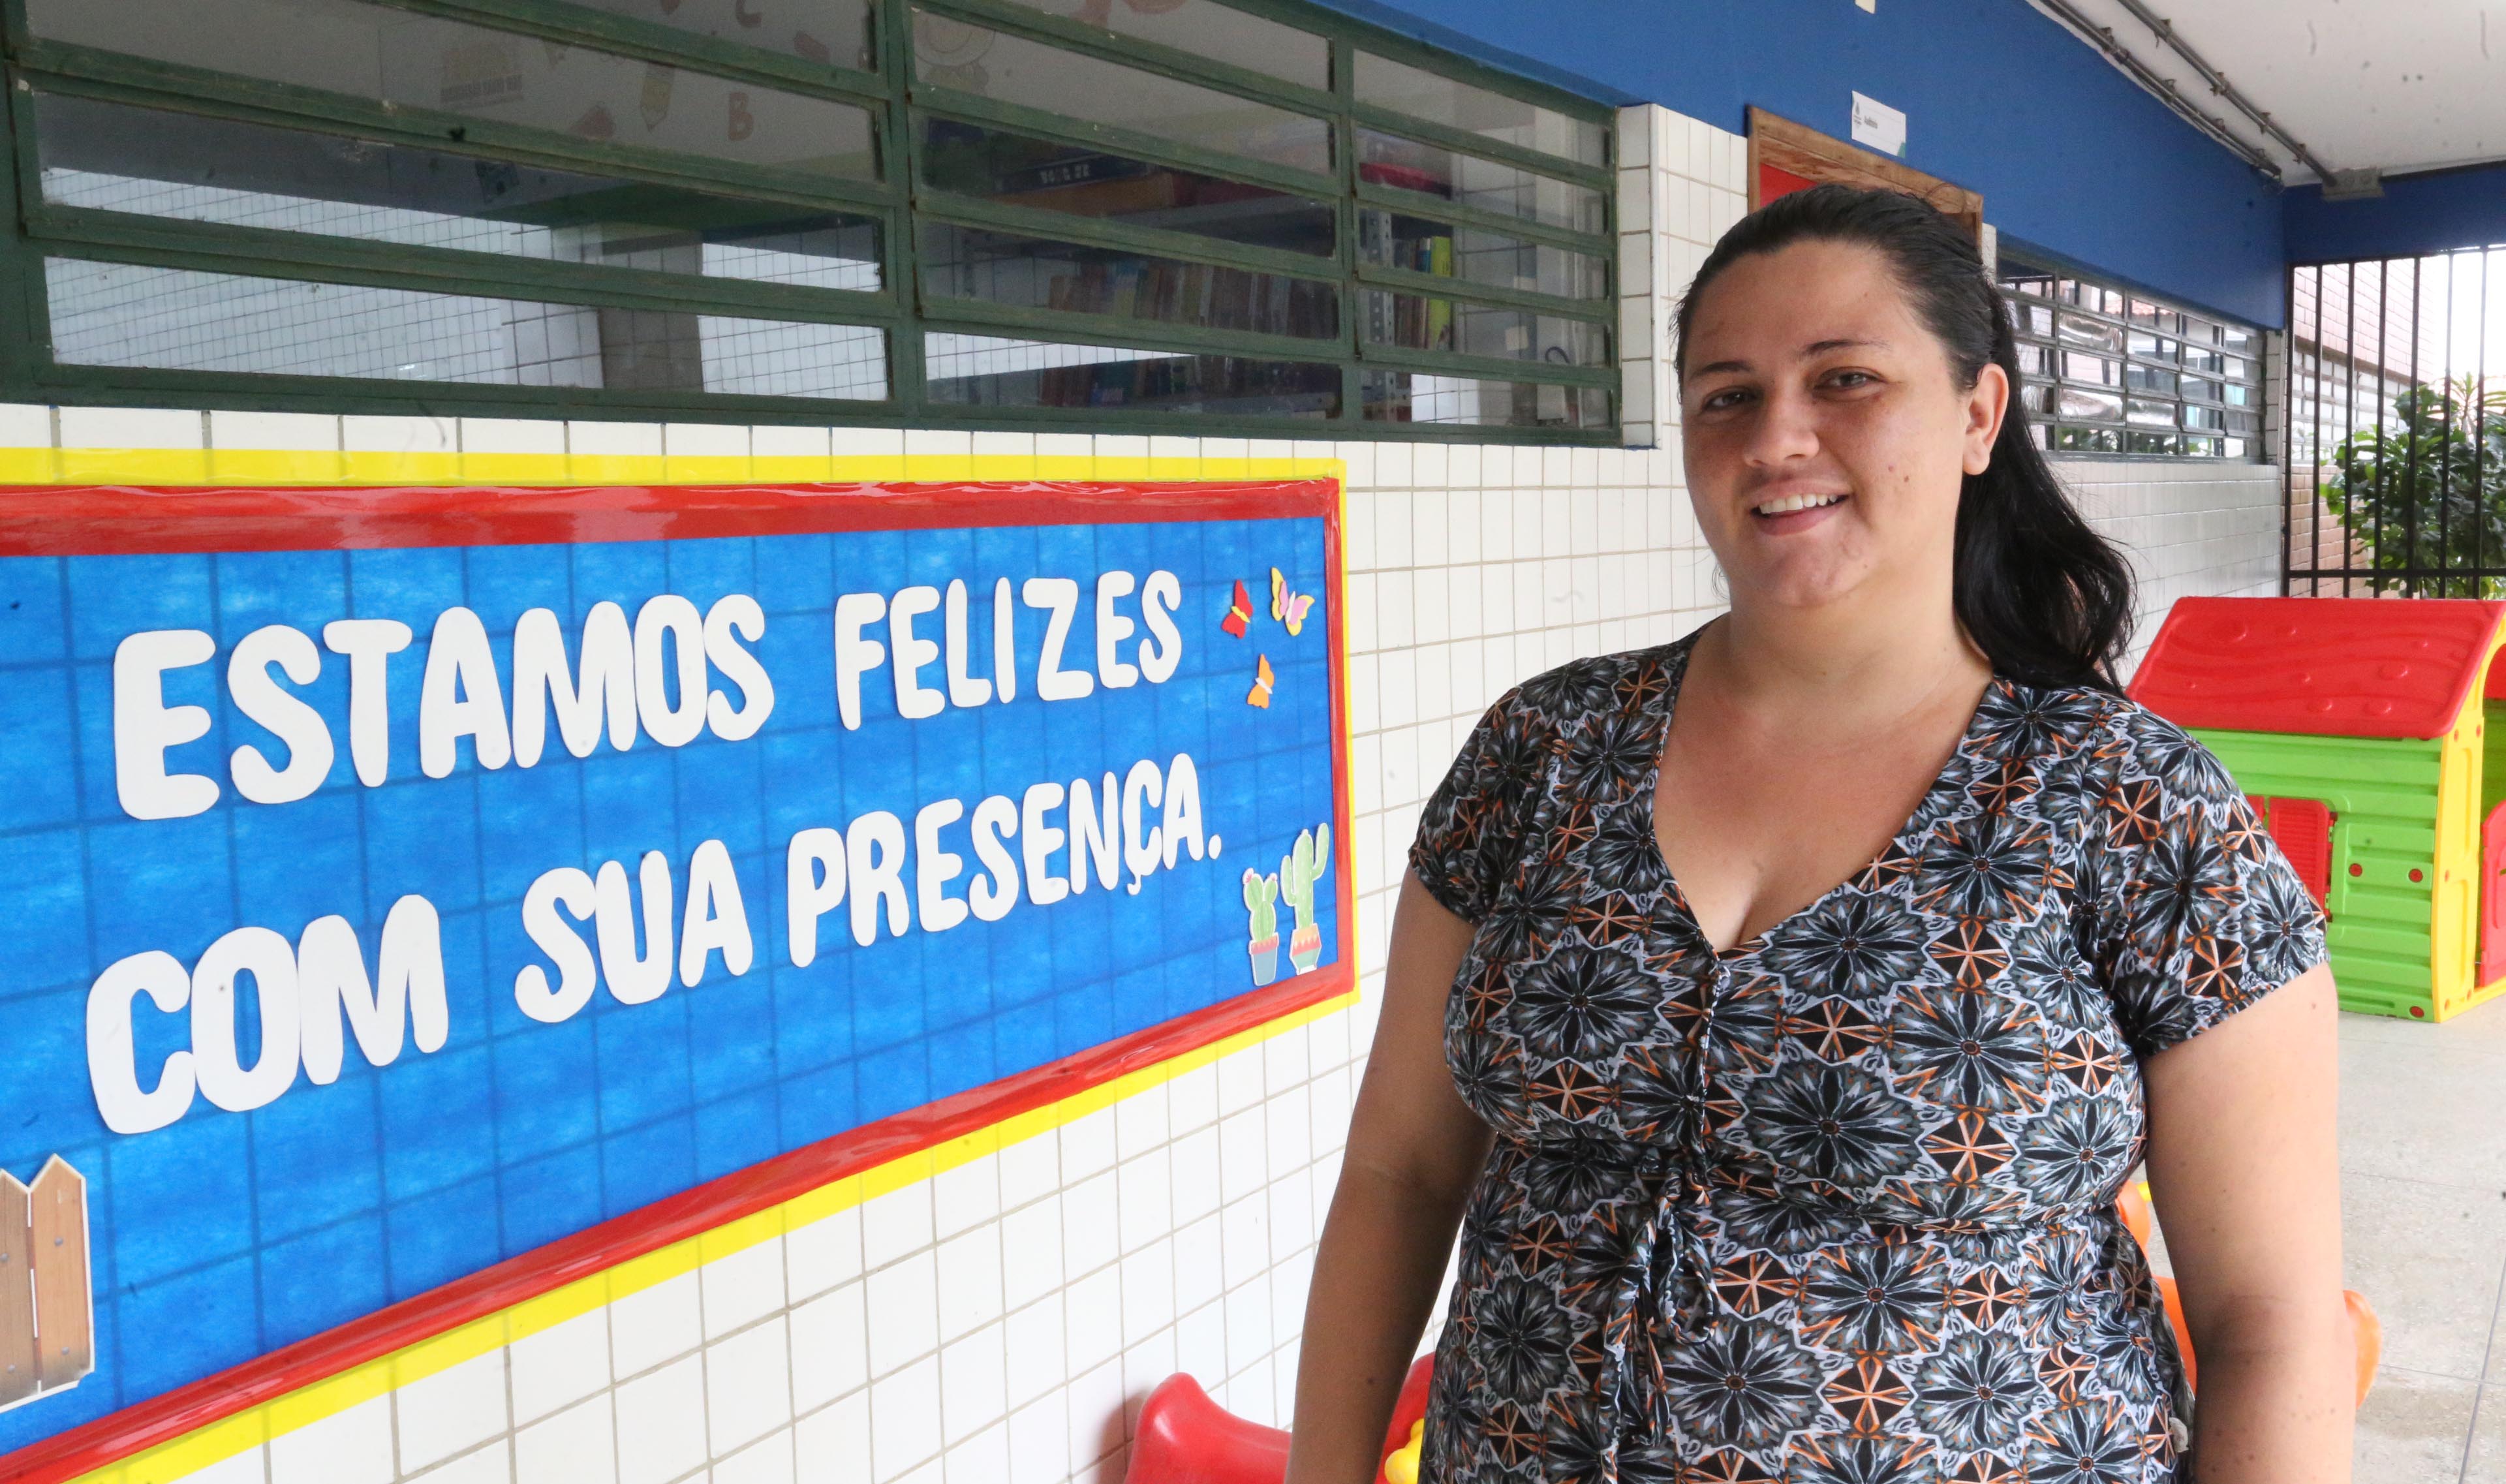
<point>229,1436</point>
<point>2455,905</point>
<point>285,466</point>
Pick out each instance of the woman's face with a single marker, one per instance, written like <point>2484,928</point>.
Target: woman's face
<point>1826,436</point>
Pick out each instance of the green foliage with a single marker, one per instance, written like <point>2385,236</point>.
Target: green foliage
<point>2427,489</point>
<point>1260,891</point>
<point>1301,868</point>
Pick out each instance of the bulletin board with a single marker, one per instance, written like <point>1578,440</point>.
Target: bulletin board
<point>417,895</point>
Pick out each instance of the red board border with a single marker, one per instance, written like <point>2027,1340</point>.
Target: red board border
<point>102,520</point>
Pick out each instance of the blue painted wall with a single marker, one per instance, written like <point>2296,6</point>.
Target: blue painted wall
<point>2070,154</point>
<point>2431,213</point>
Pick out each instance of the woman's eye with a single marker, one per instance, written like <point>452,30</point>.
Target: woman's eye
<point>1720,401</point>
<point>1848,380</point>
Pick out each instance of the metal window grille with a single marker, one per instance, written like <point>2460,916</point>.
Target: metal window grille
<point>2396,435</point>
<point>2107,370</point>
<point>1007,213</point>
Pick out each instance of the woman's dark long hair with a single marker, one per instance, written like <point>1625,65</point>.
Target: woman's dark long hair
<point>2045,599</point>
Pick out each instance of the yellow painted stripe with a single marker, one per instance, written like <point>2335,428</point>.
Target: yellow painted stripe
<point>284,467</point>
<point>249,1428</point>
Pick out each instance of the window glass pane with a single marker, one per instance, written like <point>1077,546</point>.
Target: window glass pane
<point>2034,284</point>
<point>833,33</point>
<point>2201,332</point>
<point>2036,397</point>
<point>1404,396</point>
<point>1422,323</point>
<point>2198,416</point>
<point>1034,274</point>
<point>2240,396</point>
<point>2236,369</point>
<point>2200,447</point>
<point>988,371</point>
<point>401,59</point>
<point>2103,406</point>
<point>2036,320</point>
<point>2034,360</point>
<point>2202,358</point>
<point>1222,33</point>
<point>177,319</point>
<point>1017,170</point>
<point>1456,104</point>
<point>2141,378</point>
<point>1012,70</point>
<point>2156,317</point>
<point>1472,255</point>
<point>2239,338</point>
<point>2148,414</point>
<point>2156,443</point>
<point>2094,370</point>
<point>2201,390</point>
<point>2076,331</point>
<point>183,168</point>
<point>2087,440</point>
<point>2149,346</point>
<point>1470,181</point>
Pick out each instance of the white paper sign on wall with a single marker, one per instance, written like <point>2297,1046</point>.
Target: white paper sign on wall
<point>1879,127</point>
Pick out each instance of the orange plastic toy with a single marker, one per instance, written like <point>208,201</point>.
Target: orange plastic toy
<point>1186,1438</point>
<point>2367,1331</point>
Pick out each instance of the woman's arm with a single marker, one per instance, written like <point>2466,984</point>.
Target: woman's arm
<point>1413,1150</point>
<point>2245,1167</point>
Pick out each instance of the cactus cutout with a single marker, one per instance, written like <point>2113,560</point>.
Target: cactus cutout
<point>1301,868</point>
<point>1259,892</point>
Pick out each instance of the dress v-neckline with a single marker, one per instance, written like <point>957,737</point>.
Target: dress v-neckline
<point>1920,821</point>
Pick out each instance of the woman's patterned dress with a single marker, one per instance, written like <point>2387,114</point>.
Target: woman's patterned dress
<point>1837,1205</point>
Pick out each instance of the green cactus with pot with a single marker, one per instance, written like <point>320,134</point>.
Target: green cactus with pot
<point>1299,870</point>
<point>1261,893</point>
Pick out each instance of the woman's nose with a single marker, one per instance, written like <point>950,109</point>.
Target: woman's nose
<point>1784,429</point>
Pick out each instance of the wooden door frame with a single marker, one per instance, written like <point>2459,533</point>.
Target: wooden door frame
<point>1804,151</point>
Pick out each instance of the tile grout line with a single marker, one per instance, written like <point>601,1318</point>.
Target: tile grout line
<point>2479,1385</point>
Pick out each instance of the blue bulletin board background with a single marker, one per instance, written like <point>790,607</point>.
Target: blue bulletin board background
<point>226,1235</point>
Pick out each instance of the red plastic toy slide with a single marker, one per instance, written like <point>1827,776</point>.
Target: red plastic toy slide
<point>1187,1439</point>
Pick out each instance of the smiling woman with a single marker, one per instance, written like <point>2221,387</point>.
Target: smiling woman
<point>1778,1012</point>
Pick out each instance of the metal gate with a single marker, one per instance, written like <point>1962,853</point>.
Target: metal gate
<point>2395,437</point>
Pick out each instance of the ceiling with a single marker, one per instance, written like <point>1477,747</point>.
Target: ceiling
<point>2388,85</point>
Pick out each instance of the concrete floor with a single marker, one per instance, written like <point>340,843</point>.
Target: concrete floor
<point>2423,1217</point>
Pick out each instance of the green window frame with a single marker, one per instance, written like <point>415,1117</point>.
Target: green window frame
<point>1416,336</point>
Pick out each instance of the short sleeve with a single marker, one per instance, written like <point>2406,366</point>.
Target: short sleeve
<point>2198,912</point>
<point>1470,833</point>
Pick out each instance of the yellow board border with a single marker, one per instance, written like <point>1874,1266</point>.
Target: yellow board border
<point>283,467</point>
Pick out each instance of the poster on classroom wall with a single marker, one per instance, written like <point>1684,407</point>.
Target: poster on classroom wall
<point>402,884</point>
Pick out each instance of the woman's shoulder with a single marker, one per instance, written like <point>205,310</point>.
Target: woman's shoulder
<point>2117,753</point>
<point>1562,699</point>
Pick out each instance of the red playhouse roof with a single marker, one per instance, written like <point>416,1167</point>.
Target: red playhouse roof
<point>2331,666</point>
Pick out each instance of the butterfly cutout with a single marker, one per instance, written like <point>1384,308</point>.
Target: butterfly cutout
<point>1263,676</point>
<point>1239,613</point>
<point>1288,605</point>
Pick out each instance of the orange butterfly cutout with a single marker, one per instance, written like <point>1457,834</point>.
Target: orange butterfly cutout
<point>1263,676</point>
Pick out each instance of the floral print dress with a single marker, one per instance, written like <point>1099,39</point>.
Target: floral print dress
<point>1835,1205</point>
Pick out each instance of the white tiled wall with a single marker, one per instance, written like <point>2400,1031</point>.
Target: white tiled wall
<point>1682,183</point>
<point>1003,1322</point>
<point>2191,526</point>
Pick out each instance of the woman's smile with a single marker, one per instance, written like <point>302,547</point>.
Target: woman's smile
<point>1782,515</point>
